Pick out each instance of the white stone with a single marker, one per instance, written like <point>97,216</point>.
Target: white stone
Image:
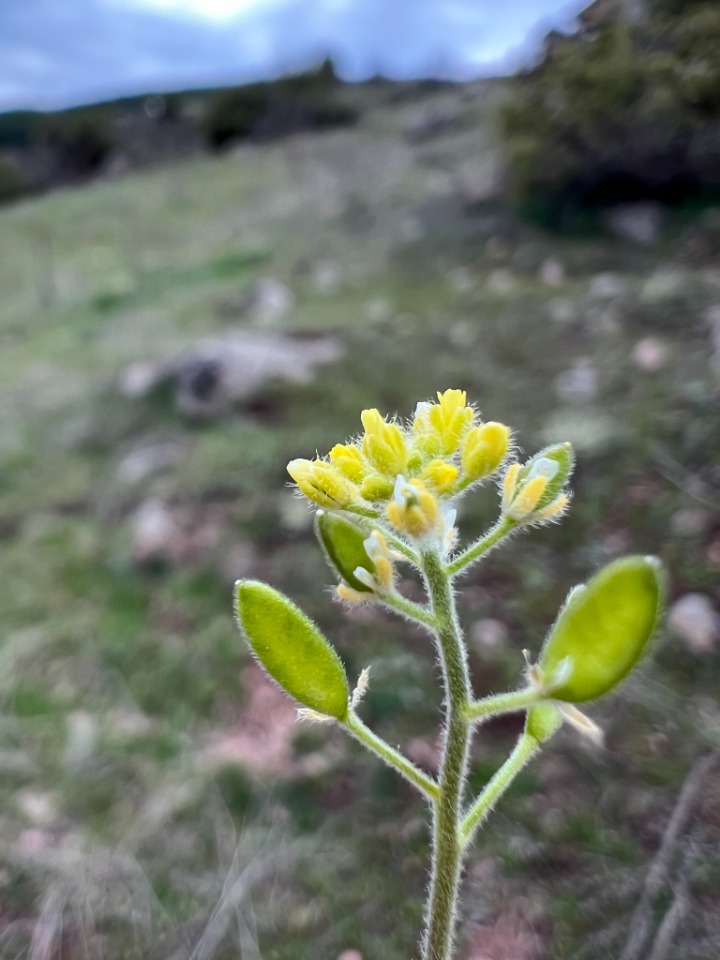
<point>650,354</point>
<point>378,310</point>
<point>326,277</point>
<point>139,379</point>
<point>639,222</point>
<point>230,370</point>
<point>154,530</point>
<point>607,286</point>
<point>488,634</point>
<point>82,730</point>
<point>501,282</point>
<point>148,459</point>
<point>690,522</point>
<point>562,311</point>
<point>39,808</point>
<point>268,300</point>
<point>578,383</point>
<point>695,621</point>
<point>663,285</point>
<point>552,272</point>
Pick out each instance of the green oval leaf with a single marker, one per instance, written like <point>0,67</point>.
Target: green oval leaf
<point>292,649</point>
<point>343,543</point>
<point>603,629</point>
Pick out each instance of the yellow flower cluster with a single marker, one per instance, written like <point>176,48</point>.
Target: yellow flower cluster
<point>443,450</point>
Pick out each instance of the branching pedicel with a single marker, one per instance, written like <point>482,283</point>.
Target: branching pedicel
<point>389,498</point>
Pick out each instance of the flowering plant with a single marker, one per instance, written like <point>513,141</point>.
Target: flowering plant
<point>390,497</point>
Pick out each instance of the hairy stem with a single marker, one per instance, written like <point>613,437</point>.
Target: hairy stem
<point>409,609</point>
<point>480,710</point>
<point>391,756</point>
<point>476,550</point>
<point>524,749</point>
<point>447,854</point>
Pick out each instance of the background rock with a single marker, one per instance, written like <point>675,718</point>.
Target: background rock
<point>695,621</point>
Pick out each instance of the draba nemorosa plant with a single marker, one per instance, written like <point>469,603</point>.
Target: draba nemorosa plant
<point>389,497</point>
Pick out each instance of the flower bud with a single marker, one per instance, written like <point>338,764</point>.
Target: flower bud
<point>383,444</point>
<point>441,476</point>
<point>375,488</point>
<point>322,483</point>
<point>349,461</point>
<point>484,449</point>
<point>560,455</point>
<point>533,493</point>
<point>439,427</point>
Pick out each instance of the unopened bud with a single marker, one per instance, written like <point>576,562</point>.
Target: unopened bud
<point>484,449</point>
<point>322,483</point>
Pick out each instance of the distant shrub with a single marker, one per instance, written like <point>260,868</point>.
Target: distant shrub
<point>308,101</point>
<point>81,139</point>
<point>19,128</point>
<point>619,111</point>
<point>13,185</point>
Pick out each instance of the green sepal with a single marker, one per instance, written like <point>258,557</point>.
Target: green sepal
<point>603,629</point>
<point>543,721</point>
<point>343,543</point>
<point>292,649</point>
<point>563,455</point>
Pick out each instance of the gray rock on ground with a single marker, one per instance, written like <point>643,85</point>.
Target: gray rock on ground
<point>227,371</point>
<point>638,222</point>
<point>694,620</point>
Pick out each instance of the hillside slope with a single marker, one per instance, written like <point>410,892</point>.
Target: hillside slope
<point>157,798</point>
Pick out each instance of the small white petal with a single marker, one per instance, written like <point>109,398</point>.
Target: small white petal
<point>544,467</point>
<point>365,577</point>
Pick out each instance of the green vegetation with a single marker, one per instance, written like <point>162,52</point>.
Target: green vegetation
<point>12,183</point>
<point>309,101</point>
<point>621,111</point>
<point>73,145</point>
<point>134,810</point>
<point>388,500</point>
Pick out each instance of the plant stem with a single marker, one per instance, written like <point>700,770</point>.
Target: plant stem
<point>476,550</point>
<point>480,710</point>
<point>447,852</point>
<point>391,756</point>
<point>524,749</point>
<point>409,609</point>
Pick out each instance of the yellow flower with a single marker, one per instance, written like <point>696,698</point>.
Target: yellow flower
<point>322,483</point>
<point>439,427</point>
<point>484,449</point>
<point>414,510</point>
<point>383,444</point>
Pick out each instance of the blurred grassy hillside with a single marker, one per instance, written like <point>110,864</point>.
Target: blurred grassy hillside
<point>157,798</point>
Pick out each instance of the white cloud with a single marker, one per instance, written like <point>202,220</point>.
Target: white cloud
<point>205,9</point>
<point>59,52</point>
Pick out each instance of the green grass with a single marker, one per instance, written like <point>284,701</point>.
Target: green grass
<point>115,679</point>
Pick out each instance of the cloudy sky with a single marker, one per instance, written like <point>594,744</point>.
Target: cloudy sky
<point>59,52</point>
